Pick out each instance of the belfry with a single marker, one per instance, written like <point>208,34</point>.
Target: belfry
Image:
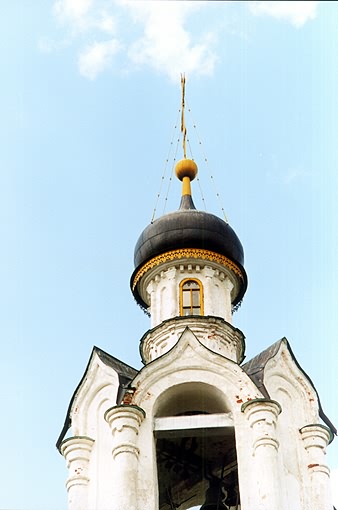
<point>195,427</point>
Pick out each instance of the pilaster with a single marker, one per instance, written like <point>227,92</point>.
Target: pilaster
<point>264,483</point>
<point>77,451</point>
<point>124,422</point>
<point>315,438</point>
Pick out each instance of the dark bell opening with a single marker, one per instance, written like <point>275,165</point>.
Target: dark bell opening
<point>214,497</point>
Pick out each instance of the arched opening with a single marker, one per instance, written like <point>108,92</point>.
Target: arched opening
<point>191,297</point>
<point>195,448</point>
<point>191,397</point>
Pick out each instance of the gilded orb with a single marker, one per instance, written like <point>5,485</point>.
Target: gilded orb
<point>186,168</point>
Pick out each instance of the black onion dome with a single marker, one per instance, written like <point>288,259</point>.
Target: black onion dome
<point>188,228</point>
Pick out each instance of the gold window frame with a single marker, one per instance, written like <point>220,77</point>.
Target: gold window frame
<point>200,285</point>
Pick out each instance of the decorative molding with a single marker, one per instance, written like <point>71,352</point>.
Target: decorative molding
<point>214,333</point>
<point>258,404</point>
<point>123,448</point>
<point>317,430</point>
<point>186,253</point>
<point>316,437</point>
<point>124,418</point>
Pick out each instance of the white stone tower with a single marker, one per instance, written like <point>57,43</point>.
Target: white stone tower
<point>195,426</point>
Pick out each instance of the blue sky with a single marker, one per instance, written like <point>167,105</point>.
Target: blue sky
<point>90,94</point>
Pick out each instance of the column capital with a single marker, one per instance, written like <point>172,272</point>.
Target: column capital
<point>126,411</point>
<point>79,446</point>
<point>261,404</point>
<point>316,434</point>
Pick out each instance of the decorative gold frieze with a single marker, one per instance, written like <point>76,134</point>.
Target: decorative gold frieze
<point>186,253</point>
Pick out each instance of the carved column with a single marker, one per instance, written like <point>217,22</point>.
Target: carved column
<point>264,482</point>
<point>315,440</point>
<point>125,421</point>
<point>76,451</point>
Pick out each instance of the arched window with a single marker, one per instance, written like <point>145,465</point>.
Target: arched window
<point>191,297</point>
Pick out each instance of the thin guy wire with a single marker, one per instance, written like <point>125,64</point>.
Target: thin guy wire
<point>171,176</point>
<point>198,179</point>
<point>165,169</point>
<point>207,165</point>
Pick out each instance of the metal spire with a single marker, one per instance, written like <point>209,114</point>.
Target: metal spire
<point>183,128</point>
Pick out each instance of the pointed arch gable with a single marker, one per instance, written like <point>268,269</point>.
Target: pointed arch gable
<point>284,375</point>
<point>190,361</point>
<point>262,364</point>
<point>103,379</point>
<point>98,390</point>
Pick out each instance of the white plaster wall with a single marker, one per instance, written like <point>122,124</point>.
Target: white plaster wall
<point>162,289</point>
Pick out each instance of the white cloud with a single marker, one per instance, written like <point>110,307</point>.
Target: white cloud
<point>97,57</point>
<point>85,15</point>
<point>297,13</point>
<point>106,23</point>
<point>73,12</point>
<point>72,8</point>
<point>163,41</point>
<point>165,44</point>
<point>161,35</point>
